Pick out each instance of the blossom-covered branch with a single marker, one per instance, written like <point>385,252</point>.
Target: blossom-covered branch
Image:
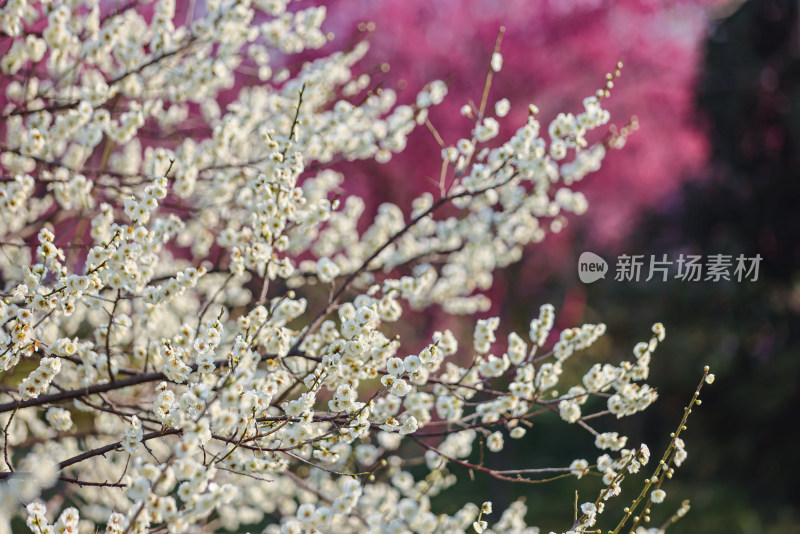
<point>198,323</point>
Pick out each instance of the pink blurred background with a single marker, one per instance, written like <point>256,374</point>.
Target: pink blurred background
<point>555,53</point>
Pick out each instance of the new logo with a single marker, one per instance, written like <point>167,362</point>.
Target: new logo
<point>591,267</point>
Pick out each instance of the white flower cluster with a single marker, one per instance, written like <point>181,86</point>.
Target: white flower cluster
<point>133,436</point>
<point>680,451</point>
<point>39,380</point>
<point>59,418</point>
<point>67,522</point>
<point>185,275</point>
<point>631,398</point>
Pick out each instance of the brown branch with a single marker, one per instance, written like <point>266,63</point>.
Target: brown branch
<point>83,483</point>
<point>77,393</point>
<point>113,446</point>
<point>491,472</point>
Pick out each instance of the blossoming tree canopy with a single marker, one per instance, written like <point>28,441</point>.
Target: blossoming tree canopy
<point>196,334</point>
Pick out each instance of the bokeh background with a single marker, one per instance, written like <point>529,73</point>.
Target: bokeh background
<point>713,169</point>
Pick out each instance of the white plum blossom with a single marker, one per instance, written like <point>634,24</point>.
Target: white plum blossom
<point>658,496</point>
<point>202,327</point>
